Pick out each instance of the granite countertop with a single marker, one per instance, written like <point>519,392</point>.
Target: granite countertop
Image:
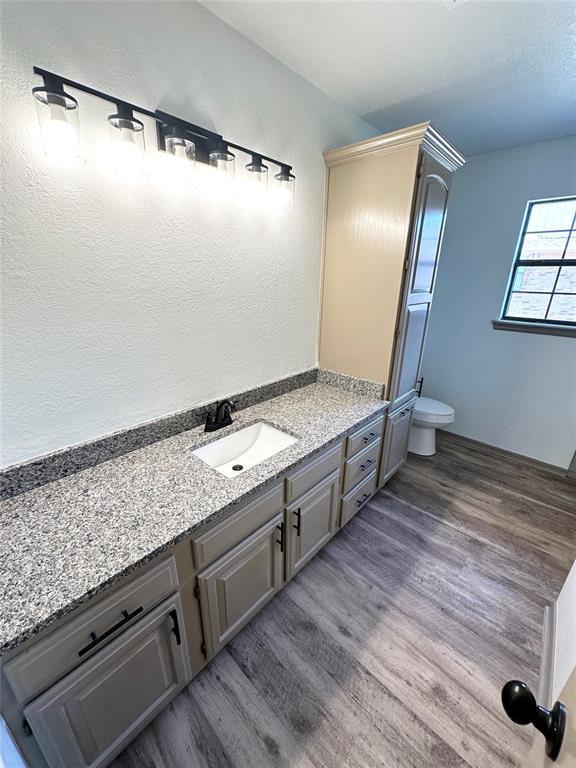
<point>64,542</point>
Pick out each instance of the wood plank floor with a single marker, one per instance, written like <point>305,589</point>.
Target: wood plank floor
<point>390,648</point>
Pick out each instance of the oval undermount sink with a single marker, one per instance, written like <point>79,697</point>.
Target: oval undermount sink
<point>235,453</point>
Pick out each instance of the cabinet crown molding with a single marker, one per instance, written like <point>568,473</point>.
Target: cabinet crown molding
<point>421,135</point>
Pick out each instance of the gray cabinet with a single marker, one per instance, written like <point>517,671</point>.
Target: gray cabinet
<point>241,582</point>
<point>311,522</point>
<point>428,227</point>
<point>35,669</point>
<point>395,443</point>
<point>91,714</point>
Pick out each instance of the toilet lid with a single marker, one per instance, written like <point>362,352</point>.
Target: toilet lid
<point>428,409</point>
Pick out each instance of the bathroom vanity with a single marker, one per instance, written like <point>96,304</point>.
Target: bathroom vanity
<point>109,619</point>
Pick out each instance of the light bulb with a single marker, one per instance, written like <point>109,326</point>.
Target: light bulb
<point>61,141</point>
<point>284,188</point>
<point>127,157</point>
<point>126,144</point>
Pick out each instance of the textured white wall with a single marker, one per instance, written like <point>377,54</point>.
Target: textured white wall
<point>513,390</point>
<point>124,304</point>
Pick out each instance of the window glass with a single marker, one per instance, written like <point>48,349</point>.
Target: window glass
<point>528,305</point>
<point>551,215</point>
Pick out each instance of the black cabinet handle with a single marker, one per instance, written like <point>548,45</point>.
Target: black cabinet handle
<point>98,639</point>
<point>521,707</point>
<point>298,513</point>
<point>176,628</point>
<point>369,463</point>
<point>369,437</point>
<point>361,501</point>
<point>281,542</point>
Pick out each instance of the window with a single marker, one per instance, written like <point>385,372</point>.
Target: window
<point>542,286</point>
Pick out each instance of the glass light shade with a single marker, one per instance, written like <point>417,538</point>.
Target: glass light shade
<point>127,147</point>
<point>284,189</point>
<point>223,161</point>
<point>258,173</point>
<point>59,126</point>
<point>181,149</point>
<point>177,163</point>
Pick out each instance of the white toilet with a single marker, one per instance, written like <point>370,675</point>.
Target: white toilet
<point>429,415</point>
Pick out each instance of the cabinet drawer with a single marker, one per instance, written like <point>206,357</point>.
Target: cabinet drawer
<point>359,467</point>
<point>364,437</point>
<point>212,543</point>
<point>34,670</point>
<point>313,472</point>
<point>356,499</point>
<point>89,716</point>
<point>240,583</point>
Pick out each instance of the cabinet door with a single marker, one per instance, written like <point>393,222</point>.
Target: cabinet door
<point>240,583</point>
<point>395,443</point>
<point>89,716</point>
<point>428,228</point>
<point>311,521</point>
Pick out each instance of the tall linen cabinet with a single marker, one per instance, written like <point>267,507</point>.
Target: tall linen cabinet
<point>386,207</point>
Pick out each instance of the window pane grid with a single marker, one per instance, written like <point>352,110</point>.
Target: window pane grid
<point>543,283</point>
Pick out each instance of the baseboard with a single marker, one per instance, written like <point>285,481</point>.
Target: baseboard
<point>553,468</point>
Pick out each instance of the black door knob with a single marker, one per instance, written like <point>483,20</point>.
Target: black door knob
<point>521,707</point>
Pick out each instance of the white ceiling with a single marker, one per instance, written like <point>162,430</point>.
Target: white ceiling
<point>489,74</point>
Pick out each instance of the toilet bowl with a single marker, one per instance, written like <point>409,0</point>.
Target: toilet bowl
<point>429,415</point>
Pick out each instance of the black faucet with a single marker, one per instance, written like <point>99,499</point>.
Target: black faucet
<point>222,417</point>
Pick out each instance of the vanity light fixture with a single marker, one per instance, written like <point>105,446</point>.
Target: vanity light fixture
<point>197,152</point>
<point>58,118</point>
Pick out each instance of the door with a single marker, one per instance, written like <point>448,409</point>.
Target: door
<point>395,442</point>
<point>311,521</point>
<point>91,714</point>
<point>235,587</point>
<point>422,263</point>
<point>557,680</point>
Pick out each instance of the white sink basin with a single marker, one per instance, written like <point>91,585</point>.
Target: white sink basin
<point>244,449</point>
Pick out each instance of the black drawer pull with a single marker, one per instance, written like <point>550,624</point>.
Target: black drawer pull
<point>369,463</point>
<point>176,628</point>
<point>361,501</point>
<point>98,639</point>
<point>369,437</point>
<point>298,513</point>
<point>281,542</point>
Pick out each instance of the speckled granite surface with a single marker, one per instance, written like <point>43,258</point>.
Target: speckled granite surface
<point>360,386</point>
<point>20,478</point>
<point>62,543</point>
